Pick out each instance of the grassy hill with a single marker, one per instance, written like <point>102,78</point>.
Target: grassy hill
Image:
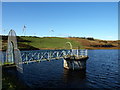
<point>35,43</point>
<point>42,43</point>
<point>91,43</point>
<point>49,42</point>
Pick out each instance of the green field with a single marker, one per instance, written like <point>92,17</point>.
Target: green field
<point>36,43</point>
<point>48,43</point>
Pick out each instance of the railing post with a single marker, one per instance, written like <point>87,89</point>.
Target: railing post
<point>57,57</point>
<point>26,57</point>
<point>38,57</point>
<point>86,52</point>
<point>57,54</point>
<point>77,52</point>
<point>49,56</point>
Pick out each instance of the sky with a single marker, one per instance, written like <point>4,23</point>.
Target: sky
<point>62,19</point>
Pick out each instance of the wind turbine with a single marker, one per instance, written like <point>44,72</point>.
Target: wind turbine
<point>24,30</point>
<point>51,31</point>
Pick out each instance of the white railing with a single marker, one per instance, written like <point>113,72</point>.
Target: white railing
<point>82,52</point>
<point>48,55</point>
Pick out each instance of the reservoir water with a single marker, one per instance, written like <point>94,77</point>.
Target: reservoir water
<point>102,71</point>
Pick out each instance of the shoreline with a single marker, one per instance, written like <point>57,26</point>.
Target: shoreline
<point>90,48</point>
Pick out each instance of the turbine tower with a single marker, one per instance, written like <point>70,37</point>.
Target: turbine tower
<point>24,30</point>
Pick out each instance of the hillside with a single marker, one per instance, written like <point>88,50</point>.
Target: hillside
<point>91,43</point>
<point>35,43</point>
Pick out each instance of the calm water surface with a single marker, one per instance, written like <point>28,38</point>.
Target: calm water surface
<point>102,71</point>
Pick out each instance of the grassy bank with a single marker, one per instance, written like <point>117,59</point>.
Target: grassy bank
<point>50,43</point>
<point>36,43</point>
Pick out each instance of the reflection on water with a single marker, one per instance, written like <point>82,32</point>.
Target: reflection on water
<point>102,71</point>
<point>74,76</point>
<point>11,79</point>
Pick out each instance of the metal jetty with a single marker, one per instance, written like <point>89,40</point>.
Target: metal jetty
<point>73,59</point>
